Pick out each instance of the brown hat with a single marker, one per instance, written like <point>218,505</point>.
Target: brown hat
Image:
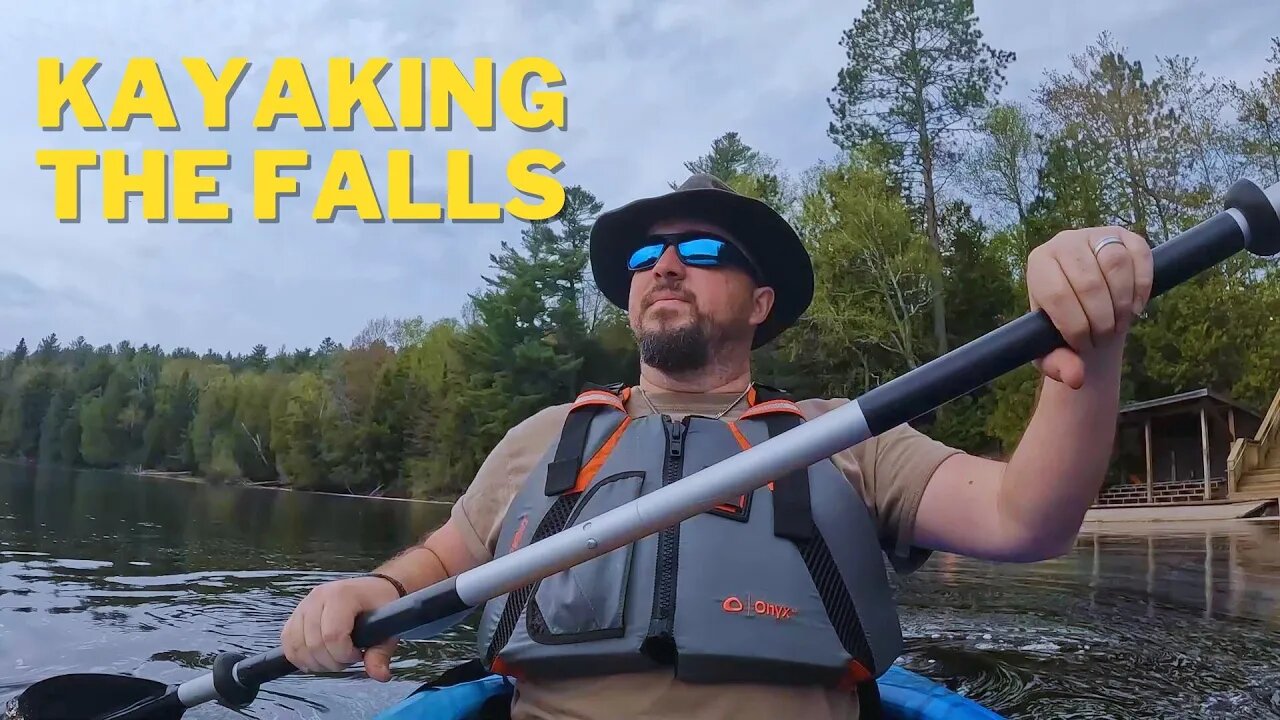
<point>758,230</point>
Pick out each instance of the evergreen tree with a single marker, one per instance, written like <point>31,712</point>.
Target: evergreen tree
<point>743,168</point>
<point>526,349</point>
<point>257,360</point>
<point>917,75</point>
<point>167,439</point>
<point>48,349</point>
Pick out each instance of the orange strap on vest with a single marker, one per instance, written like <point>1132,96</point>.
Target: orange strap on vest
<point>562,472</point>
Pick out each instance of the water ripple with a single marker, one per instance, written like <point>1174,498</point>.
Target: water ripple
<point>154,578</point>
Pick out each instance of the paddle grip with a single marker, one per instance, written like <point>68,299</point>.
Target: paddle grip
<point>1034,335</point>
<point>437,602</point>
<point>265,667</point>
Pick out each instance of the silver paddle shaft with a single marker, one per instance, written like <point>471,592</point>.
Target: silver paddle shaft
<point>736,475</point>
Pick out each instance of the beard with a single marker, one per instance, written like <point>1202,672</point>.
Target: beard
<point>676,350</point>
<point>683,347</point>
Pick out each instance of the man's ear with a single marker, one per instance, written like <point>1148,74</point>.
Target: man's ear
<point>762,303</point>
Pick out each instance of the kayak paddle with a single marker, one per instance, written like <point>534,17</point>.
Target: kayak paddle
<point>1250,221</point>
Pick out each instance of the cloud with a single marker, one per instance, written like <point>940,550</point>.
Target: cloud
<point>650,85</point>
<point>18,291</point>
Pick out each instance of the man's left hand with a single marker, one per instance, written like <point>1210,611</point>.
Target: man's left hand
<point>1091,296</point>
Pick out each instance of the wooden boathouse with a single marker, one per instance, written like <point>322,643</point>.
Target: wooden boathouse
<point>1193,448</point>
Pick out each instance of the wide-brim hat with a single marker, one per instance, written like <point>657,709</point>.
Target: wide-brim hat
<point>766,237</point>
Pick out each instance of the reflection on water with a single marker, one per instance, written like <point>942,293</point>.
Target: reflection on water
<point>1143,621</point>
<point>110,573</point>
<point>101,572</point>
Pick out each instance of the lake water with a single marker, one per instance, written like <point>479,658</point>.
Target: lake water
<point>101,572</point>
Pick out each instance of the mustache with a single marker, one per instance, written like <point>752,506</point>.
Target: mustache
<point>665,288</point>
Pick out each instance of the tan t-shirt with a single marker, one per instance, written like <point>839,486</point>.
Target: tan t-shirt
<point>889,471</point>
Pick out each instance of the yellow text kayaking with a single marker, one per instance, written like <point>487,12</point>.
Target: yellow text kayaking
<point>429,92</point>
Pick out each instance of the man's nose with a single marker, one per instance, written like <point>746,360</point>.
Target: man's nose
<point>669,263</point>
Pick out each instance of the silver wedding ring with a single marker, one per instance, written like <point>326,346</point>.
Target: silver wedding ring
<point>1109,240</point>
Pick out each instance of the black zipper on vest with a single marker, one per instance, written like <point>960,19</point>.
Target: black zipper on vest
<point>661,631</point>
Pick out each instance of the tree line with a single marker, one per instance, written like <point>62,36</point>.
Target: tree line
<point>919,229</point>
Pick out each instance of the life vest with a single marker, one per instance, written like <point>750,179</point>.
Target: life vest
<point>785,585</point>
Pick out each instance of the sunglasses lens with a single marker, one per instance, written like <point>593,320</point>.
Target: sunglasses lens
<point>645,257</point>
<point>705,251</point>
<point>701,251</point>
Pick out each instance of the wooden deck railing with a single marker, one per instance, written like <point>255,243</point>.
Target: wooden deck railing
<point>1246,453</point>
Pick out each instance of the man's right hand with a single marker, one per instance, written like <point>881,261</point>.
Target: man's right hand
<point>317,636</point>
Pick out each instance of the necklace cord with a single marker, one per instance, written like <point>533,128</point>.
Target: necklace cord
<point>721,414</point>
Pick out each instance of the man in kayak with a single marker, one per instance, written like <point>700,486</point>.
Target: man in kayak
<point>707,275</point>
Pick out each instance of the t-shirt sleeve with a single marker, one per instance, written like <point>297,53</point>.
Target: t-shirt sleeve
<point>478,513</point>
<point>890,471</point>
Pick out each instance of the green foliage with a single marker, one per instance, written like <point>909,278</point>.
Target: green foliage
<point>167,440</point>
<point>917,73</point>
<point>743,168</point>
<point>55,416</point>
<point>26,401</point>
<point>103,440</point>
<point>19,353</point>
<point>300,416</point>
<point>871,281</point>
<point>1013,400</point>
<point>1127,124</point>
<point>979,280</point>
<point>411,407</point>
<point>1003,164</point>
<point>963,423</point>
<point>529,343</point>
<point>1217,331</point>
<point>1258,110</point>
<point>916,70</point>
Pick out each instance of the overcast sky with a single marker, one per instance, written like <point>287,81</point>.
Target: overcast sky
<point>649,85</point>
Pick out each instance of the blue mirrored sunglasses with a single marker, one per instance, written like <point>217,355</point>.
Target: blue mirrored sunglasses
<point>698,250</point>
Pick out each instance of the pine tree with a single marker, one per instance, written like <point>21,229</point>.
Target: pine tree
<point>526,349</point>
<point>916,77</point>
<point>47,350</point>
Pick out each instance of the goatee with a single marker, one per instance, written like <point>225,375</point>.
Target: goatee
<point>677,350</point>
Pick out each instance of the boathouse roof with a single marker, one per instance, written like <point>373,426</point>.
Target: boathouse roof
<point>1186,400</point>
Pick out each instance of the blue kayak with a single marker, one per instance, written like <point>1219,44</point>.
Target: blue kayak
<point>910,696</point>
<point>904,695</point>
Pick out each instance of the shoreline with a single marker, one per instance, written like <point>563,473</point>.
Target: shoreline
<point>187,477</point>
<point>241,483</point>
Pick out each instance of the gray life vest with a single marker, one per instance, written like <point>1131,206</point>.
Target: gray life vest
<point>786,585</point>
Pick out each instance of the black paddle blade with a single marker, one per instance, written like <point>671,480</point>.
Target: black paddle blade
<point>88,696</point>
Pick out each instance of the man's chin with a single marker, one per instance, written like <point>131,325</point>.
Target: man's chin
<point>674,347</point>
<point>666,322</point>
